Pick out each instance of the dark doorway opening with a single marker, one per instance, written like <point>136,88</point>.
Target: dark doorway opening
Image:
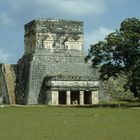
<point>75,97</point>
<point>87,97</point>
<point>62,97</point>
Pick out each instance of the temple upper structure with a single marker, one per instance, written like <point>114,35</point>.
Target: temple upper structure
<point>53,35</point>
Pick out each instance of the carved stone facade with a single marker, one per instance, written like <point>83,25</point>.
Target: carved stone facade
<point>52,70</point>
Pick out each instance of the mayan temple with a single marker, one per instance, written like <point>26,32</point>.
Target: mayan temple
<point>52,70</point>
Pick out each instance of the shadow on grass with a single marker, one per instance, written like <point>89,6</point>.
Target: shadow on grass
<point>125,103</point>
<point>121,103</point>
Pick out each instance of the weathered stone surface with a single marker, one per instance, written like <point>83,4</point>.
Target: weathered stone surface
<point>7,83</point>
<point>94,97</point>
<point>52,70</point>
<point>68,98</point>
<point>81,97</point>
<point>53,51</point>
<point>53,35</point>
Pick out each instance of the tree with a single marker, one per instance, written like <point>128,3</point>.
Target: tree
<point>114,88</point>
<point>119,53</point>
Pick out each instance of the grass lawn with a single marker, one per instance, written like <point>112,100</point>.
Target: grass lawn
<point>65,123</point>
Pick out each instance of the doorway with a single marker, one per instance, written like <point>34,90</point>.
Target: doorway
<point>87,97</point>
<point>62,97</point>
<point>75,97</point>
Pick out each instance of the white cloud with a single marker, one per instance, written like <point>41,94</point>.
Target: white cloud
<point>96,35</point>
<point>4,56</point>
<point>23,9</point>
<point>77,7</point>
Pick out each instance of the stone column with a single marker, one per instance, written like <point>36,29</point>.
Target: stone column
<point>68,98</point>
<point>49,97</point>
<point>94,97</point>
<point>52,98</point>
<point>81,97</point>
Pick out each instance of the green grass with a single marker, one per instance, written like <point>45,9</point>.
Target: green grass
<point>65,123</point>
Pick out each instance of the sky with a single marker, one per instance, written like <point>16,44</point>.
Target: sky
<point>100,17</point>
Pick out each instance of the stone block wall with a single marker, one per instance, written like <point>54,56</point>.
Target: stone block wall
<point>22,79</point>
<point>53,35</point>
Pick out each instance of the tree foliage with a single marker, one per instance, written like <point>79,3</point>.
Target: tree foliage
<point>114,88</point>
<point>119,53</point>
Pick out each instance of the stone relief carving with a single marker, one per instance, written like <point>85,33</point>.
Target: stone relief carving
<point>48,41</point>
<point>62,41</point>
<point>57,41</point>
